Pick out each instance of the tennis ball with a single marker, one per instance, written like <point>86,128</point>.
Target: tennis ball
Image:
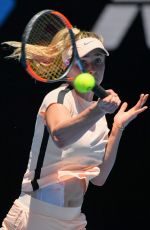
<point>84,82</point>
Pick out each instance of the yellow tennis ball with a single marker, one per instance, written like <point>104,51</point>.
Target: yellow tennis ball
<point>84,82</point>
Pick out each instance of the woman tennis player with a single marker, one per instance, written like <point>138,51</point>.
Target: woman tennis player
<point>71,146</point>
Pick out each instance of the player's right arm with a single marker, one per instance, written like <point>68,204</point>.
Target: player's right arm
<point>66,130</point>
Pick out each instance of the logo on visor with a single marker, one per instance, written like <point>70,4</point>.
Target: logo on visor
<point>86,43</point>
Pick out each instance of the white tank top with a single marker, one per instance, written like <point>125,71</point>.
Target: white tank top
<point>80,160</point>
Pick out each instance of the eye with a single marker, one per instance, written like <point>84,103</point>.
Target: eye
<point>84,63</point>
<point>99,61</point>
<point>67,62</point>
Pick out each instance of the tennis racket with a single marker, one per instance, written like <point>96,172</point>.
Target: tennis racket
<point>41,56</point>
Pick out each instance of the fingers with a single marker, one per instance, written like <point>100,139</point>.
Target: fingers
<point>112,99</point>
<point>123,107</point>
<point>111,92</point>
<point>140,110</point>
<point>141,101</point>
<point>110,103</point>
<point>116,100</point>
<point>143,98</point>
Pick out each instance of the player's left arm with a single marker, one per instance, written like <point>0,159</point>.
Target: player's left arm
<point>121,120</point>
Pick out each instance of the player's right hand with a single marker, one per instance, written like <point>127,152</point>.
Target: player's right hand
<point>110,103</point>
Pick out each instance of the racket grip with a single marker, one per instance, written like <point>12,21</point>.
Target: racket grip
<point>99,91</point>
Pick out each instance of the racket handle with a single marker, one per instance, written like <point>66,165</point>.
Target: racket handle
<point>100,91</point>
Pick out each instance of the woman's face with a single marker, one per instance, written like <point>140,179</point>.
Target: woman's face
<point>94,63</point>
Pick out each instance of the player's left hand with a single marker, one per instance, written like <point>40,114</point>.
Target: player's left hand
<point>123,117</point>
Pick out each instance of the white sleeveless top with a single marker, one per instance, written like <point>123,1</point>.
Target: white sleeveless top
<point>79,160</point>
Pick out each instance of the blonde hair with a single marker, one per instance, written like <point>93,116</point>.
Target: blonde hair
<point>44,54</point>
<point>47,60</point>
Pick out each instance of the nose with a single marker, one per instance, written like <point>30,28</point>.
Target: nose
<point>90,69</point>
<point>92,72</point>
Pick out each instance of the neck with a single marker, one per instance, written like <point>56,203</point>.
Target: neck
<point>86,96</point>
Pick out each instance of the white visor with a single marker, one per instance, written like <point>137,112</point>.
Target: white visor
<point>84,46</point>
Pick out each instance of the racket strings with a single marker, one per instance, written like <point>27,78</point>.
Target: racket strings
<point>46,56</point>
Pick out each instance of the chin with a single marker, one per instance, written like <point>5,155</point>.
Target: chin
<point>98,82</point>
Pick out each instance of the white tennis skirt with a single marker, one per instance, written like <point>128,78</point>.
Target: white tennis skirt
<point>28,213</point>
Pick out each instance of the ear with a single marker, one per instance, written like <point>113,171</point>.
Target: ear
<point>67,62</point>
